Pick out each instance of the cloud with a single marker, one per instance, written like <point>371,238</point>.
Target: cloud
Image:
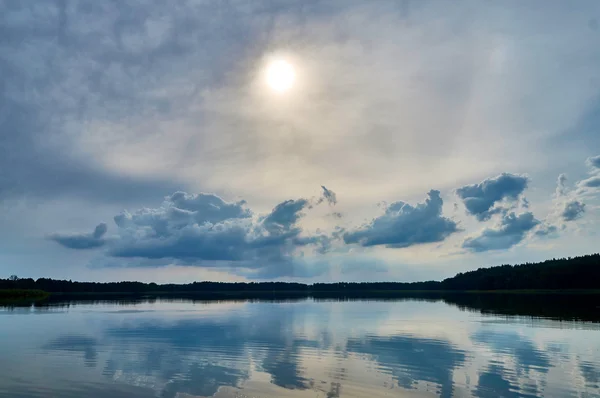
<point>99,231</point>
<point>222,242</point>
<point>479,199</point>
<point>544,230</point>
<point>82,241</point>
<point>403,225</point>
<point>568,207</point>
<point>561,185</point>
<point>284,216</point>
<point>573,210</point>
<point>329,196</point>
<point>592,182</point>
<point>568,203</point>
<point>205,230</point>
<point>594,162</point>
<point>511,230</point>
<point>209,207</point>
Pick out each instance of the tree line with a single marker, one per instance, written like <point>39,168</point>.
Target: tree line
<point>566,273</point>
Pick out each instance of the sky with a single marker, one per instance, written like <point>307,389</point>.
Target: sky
<point>408,140</point>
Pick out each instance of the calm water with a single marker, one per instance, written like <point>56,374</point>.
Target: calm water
<point>307,348</point>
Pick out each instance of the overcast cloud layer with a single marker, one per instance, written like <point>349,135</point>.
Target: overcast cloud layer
<point>138,140</point>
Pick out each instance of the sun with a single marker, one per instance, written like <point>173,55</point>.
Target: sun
<point>280,76</point>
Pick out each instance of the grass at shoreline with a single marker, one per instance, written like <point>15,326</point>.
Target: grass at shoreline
<point>10,295</point>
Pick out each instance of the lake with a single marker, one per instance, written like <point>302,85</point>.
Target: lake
<point>517,347</point>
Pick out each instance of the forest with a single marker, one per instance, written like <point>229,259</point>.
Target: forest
<point>564,274</point>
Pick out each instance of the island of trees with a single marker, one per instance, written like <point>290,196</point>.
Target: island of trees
<point>577,273</point>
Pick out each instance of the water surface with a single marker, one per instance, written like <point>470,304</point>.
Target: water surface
<point>186,349</point>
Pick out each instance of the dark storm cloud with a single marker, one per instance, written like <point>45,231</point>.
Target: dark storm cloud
<point>84,240</point>
<point>511,230</point>
<point>403,225</point>
<point>479,199</point>
<point>573,210</point>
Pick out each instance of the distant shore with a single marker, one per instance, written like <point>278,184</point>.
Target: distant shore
<point>573,275</point>
<point>321,293</point>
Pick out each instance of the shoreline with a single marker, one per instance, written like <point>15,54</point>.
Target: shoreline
<point>25,296</point>
<point>308,294</point>
<point>22,295</point>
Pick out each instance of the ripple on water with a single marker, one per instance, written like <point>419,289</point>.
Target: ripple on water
<point>302,349</point>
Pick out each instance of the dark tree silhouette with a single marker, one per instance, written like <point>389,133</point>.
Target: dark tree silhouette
<point>566,273</point>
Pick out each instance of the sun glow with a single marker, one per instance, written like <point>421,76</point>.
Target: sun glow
<point>280,76</point>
